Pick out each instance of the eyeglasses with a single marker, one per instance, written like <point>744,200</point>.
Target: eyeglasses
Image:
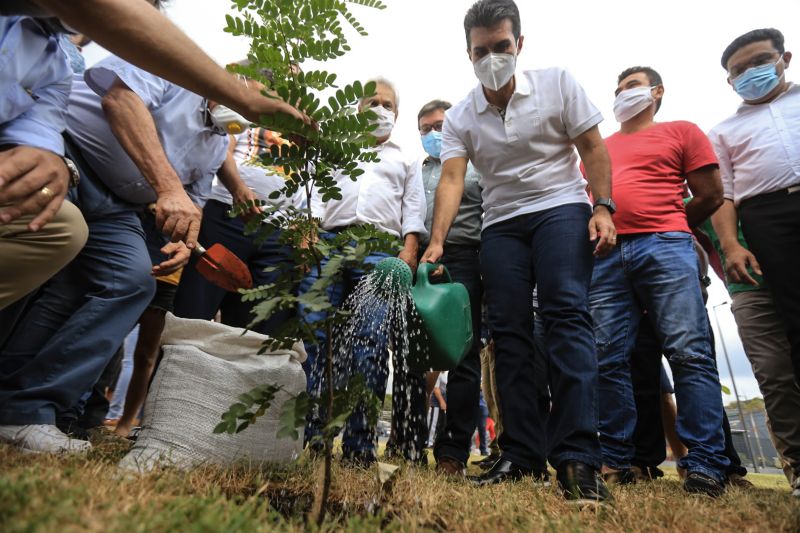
<point>426,129</point>
<point>761,59</point>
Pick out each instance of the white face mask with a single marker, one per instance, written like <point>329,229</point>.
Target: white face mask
<point>495,70</point>
<point>228,120</point>
<point>631,102</point>
<point>385,121</point>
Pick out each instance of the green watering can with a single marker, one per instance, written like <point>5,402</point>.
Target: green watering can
<point>444,310</point>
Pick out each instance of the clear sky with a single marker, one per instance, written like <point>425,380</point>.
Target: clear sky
<point>420,46</point>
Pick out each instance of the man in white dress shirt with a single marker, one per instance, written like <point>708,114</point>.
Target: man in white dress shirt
<point>759,158</point>
<point>520,131</point>
<point>389,195</point>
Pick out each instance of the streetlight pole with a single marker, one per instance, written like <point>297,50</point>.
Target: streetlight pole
<point>735,390</point>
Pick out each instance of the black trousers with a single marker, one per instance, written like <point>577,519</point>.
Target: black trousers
<point>648,436</point>
<point>464,381</point>
<point>771,226</point>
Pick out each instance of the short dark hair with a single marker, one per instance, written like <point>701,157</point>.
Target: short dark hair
<point>754,36</point>
<point>487,13</point>
<point>652,75</point>
<point>432,106</point>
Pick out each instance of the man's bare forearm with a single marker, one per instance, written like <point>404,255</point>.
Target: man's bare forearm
<point>229,175</point>
<point>448,199</point>
<point>706,187</point>
<point>134,128</point>
<point>699,209</point>
<point>411,242</point>
<point>596,161</point>
<point>726,224</point>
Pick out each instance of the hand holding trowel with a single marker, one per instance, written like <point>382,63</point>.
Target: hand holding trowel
<point>220,266</point>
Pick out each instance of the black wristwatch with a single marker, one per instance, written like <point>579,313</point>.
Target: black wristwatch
<point>608,203</point>
<point>74,175</point>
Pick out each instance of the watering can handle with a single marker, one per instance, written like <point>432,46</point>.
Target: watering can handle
<point>424,271</point>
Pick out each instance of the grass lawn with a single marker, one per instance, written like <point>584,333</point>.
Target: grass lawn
<point>47,493</point>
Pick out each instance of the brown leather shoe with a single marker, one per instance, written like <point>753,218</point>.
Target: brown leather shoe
<point>450,467</point>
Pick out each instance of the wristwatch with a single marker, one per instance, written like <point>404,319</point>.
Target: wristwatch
<point>74,175</point>
<point>608,203</point>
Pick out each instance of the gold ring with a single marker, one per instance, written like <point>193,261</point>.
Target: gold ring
<point>47,192</point>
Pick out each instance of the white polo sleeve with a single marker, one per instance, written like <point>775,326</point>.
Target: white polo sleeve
<point>725,166</point>
<point>452,144</point>
<point>150,88</point>
<point>578,113</point>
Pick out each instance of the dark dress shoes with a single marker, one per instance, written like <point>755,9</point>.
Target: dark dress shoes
<point>503,470</point>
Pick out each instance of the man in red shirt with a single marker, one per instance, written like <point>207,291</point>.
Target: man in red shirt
<point>655,267</point>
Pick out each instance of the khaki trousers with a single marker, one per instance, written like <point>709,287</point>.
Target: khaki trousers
<point>28,259</point>
<point>767,347</point>
<point>489,386</point>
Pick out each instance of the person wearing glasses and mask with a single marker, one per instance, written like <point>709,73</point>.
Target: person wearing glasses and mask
<point>521,131</point>
<point>759,154</point>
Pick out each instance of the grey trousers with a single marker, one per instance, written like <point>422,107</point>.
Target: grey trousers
<point>767,347</point>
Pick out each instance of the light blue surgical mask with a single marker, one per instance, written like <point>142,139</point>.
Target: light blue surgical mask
<point>432,143</point>
<point>757,82</point>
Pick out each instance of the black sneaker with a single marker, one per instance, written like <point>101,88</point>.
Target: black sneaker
<point>581,484</point>
<point>699,483</point>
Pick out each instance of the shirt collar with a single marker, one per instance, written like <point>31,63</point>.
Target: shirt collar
<point>522,88</point>
<point>792,88</point>
<point>389,143</point>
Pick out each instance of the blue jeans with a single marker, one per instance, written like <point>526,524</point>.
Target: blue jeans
<point>550,248</point>
<point>658,272</point>
<point>123,381</point>
<point>370,358</point>
<point>71,330</point>
<point>199,298</point>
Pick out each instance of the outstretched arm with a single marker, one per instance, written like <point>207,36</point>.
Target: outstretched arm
<point>139,33</point>
<point>445,206</point>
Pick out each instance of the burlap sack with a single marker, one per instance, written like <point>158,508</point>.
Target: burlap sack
<point>205,367</point>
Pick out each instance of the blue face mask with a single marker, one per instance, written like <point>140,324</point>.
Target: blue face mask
<point>757,82</point>
<point>432,143</point>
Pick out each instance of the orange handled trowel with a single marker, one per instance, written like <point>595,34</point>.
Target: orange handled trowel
<point>220,266</point>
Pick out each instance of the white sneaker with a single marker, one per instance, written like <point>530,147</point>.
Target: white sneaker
<point>41,438</point>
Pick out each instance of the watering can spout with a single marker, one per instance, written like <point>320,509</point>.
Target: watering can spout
<point>393,275</point>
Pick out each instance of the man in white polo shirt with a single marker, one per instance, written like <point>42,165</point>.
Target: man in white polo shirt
<point>759,161</point>
<point>520,132</point>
